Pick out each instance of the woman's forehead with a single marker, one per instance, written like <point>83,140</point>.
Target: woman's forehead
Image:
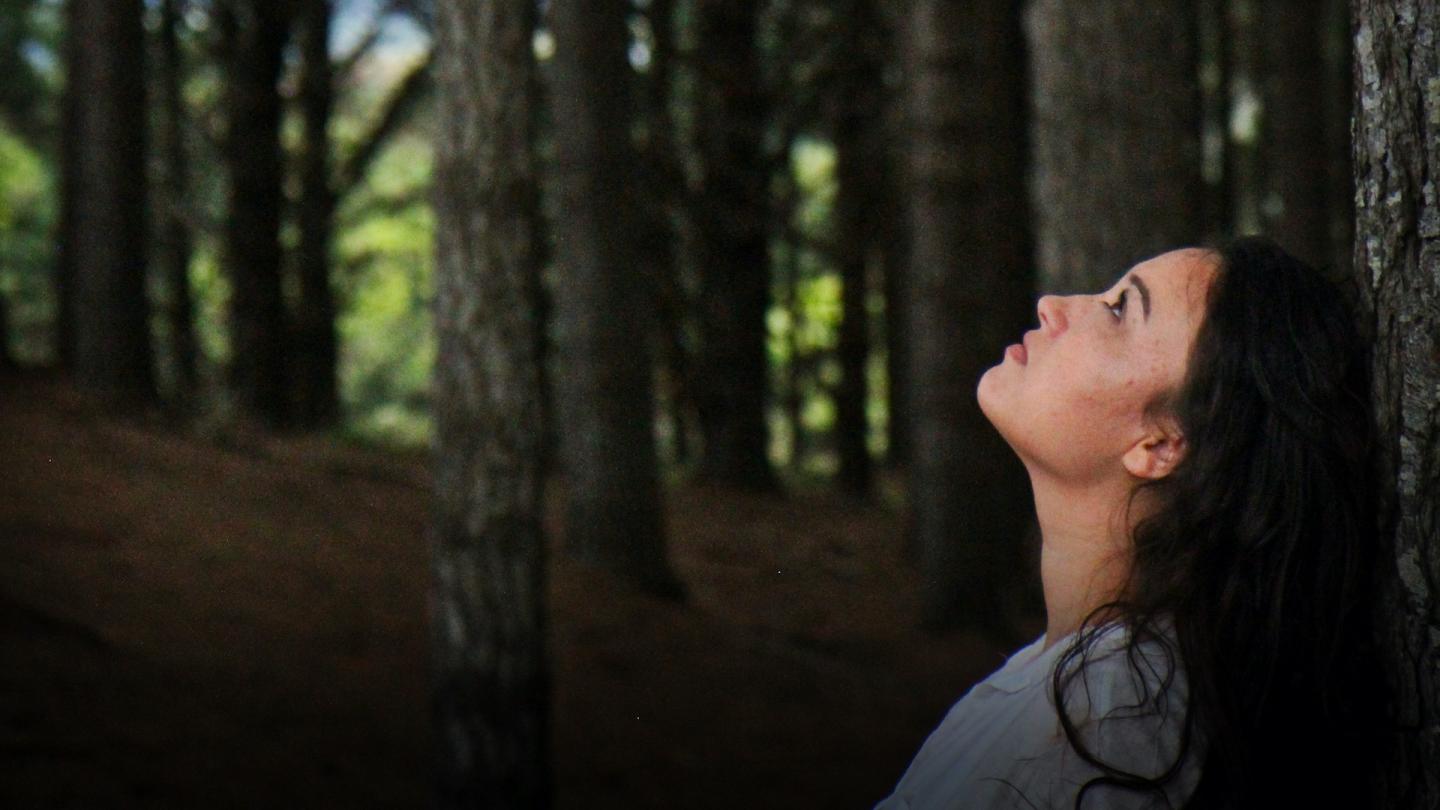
<point>1177,279</point>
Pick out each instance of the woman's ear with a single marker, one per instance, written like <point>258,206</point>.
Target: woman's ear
<point>1157,452</point>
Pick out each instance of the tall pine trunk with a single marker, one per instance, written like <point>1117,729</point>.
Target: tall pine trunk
<point>107,224</point>
<point>1116,135</point>
<point>604,305</point>
<point>175,244</point>
<point>315,352</point>
<point>860,165</point>
<point>733,228</point>
<point>664,190</point>
<point>491,699</point>
<point>1295,201</point>
<point>1338,108</point>
<point>255,32</point>
<point>971,275</point>
<point>1397,263</point>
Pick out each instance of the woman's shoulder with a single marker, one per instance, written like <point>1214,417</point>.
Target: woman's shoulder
<point>1122,670</point>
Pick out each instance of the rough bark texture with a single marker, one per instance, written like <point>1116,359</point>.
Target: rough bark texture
<point>174,243</point>
<point>605,308</point>
<point>491,698</point>
<point>316,401</point>
<point>1295,202</point>
<point>255,31</point>
<point>734,260</point>
<point>972,280</point>
<point>1117,136</point>
<point>1397,262</point>
<point>107,227</point>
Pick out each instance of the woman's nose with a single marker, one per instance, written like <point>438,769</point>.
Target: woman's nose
<point>1052,313</point>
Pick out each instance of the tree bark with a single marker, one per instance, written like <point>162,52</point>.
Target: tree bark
<point>1397,263</point>
<point>1117,129</point>
<point>491,699</point>
<point>1214,47</point>
<point>1295,202</point>
<point>256,31</point>
<point>664,191</point>
<point>605,308</point>
<point>972,280</point>
<point>734,210</point>
<point>860,163</point>
<point>7,361</point>
<point>316,401</point>
<point>107,227</point>
<point>173,255</point>
<point>1340,190</point>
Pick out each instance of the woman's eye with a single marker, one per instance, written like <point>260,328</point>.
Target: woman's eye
<point>1118,308</point>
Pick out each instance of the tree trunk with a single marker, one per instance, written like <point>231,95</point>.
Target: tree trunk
<point>492,678</point>
<point>72,136</point>
<point>1245,176</point>
<point>895,258</point>
<point>1116,136</point>
<point>256,31</point>
<point>734,210</point>
<point>614,512</point>
<point>106,237</point>
<point>972,277</point>
<point>1295,202</point>
<point>7,361</point>
<point>1397,262</point>
<point>664,190</point>
<point>1338,168</point>
<point>316,402</point>
<point>173,255</point>
<point>860,163</point>
<point>1214,48</point>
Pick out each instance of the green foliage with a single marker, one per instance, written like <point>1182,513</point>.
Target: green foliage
<point>383,249</point>
<point>27,214</point>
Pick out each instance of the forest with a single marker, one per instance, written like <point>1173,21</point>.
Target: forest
<point>501,403</point>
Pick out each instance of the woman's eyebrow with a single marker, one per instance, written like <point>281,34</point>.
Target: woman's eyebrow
<point>1144,293</point>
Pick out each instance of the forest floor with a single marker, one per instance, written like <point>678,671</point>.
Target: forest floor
<point>239,620</point>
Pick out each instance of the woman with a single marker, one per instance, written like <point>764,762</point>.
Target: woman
<point>1198,440</point>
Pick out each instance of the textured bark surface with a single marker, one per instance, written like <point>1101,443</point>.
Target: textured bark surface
<point>313,378</point>
<point>604,305</point>
<point>1397,261</point>
<point>732,224</point>
<point>173,249</point>
<point>971,282</point>
<point>107,225</point>
<point>491,692</point>
<point>1295,200</point>
<point>255,33</point>
<point>1116,136</point>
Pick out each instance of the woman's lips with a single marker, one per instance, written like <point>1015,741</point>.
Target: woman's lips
<point>1016,352</point>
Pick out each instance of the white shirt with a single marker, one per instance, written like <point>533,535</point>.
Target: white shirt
<point>1006,730</point>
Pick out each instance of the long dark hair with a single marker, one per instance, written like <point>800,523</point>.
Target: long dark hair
<point>1256,571</point>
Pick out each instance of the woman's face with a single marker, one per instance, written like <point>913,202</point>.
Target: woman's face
<point>1071,398</point>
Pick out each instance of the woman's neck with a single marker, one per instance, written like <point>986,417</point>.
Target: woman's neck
<point>1084,553</point>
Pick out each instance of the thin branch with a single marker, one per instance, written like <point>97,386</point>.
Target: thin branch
<point>409,92</point>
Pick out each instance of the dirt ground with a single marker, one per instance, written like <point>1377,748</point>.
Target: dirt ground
<point>237,620</point>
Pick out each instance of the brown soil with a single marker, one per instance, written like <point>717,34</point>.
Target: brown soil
<point>238,620</point>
